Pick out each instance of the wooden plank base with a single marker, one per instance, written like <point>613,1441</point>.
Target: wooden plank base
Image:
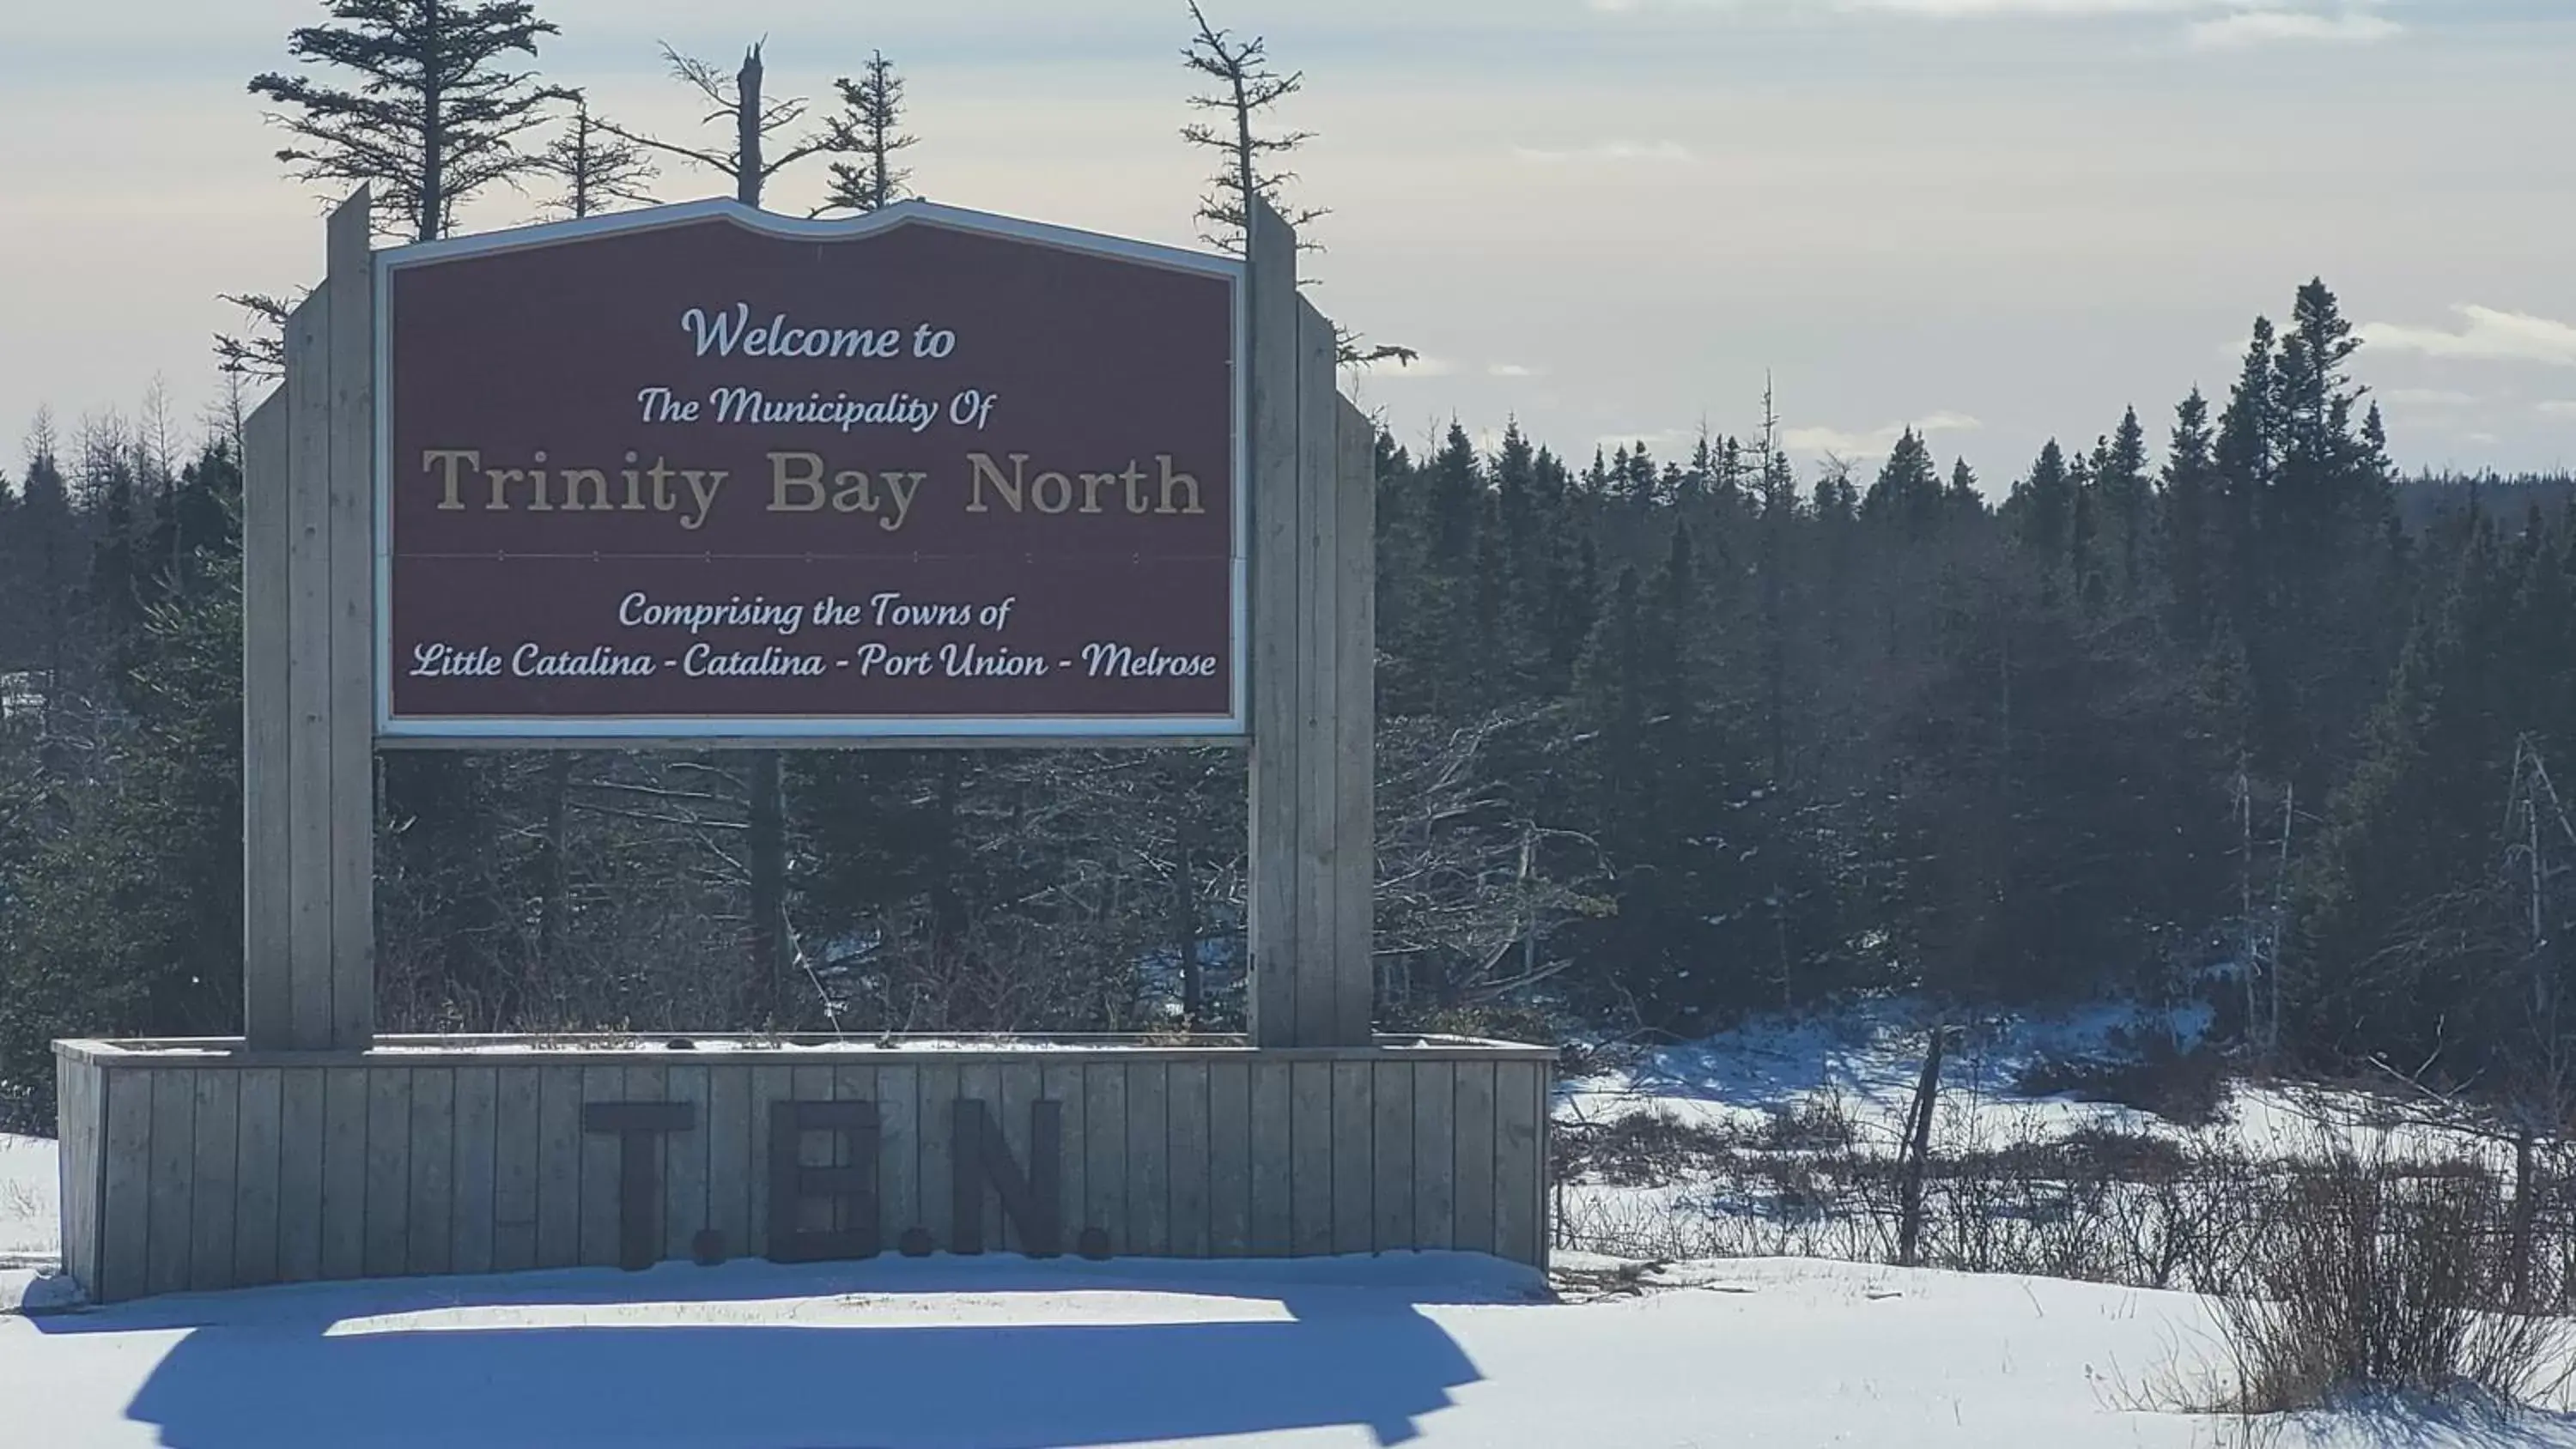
<point>198,1163</point>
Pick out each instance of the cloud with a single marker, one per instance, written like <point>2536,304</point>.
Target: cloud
<point>2268,27</point>
<point>2557,408</point>
<point>2489,335</point>
<point>1417,367</point>
<point>2425,397</point>
<point>1609,151</point>
<point>1876,441</point>
<point>1513,369</point>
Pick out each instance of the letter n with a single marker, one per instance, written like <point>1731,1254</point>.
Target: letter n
<point>852,1190</point>
<point>639,1176</point>
<point>1032,1201</point>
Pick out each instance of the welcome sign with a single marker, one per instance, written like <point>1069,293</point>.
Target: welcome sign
<point>704,472</point>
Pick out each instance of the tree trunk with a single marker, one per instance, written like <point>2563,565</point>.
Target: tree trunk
<point>1918,1150</point>
<point>768,849</point>
<point>747,171</point>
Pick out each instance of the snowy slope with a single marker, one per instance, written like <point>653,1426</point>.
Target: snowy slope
<point>1002,1353</point>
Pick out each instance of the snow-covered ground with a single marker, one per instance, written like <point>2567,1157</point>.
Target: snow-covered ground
<point>1004,1353</point>
<point>28,1227</point>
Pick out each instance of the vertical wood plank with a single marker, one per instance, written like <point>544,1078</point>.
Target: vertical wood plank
<point>1518,1172</point>
<point>730,1165</point>
<point>1273,1155</point>
<point>1185,1107</point>
<point>602,1083</point>
<point>1474,1168</point>
<point>1229,1158</point>
<point>126,1238</point>
<point>216,1184</point>
<point>1393,1178</point>
<point>1310,1168</point>
<point>814,1084</point>
<point>1021,1085</point>
<point>1149,1166</point>
<point>768,1085</point>
<point>1434,1153</point>
<point>306,862</point>
<point>303,1145</point>
<point>936,1175</point>
<point>1319,1014</point>
<point>1354,1157</point>
<point>1104,1130</point>
<point>428,1221</point>
<point>899,1151</point>
<point>268,983</point>
<point>650,1081</point>
<point>477,1156</point>
<point>350,623</point>
<point>1271,919</point>
<point>685,1157</point>
<point>256,1181</point>
<point>77,1145</point>
<point>981,1081</point>
<point>559,1167</point>
<point>173,1169</point>
<point>517,1115</point>
<point>1354,735</point>
<point>1061,1083</point>
<point>346,1100</point>
<point>388,1192</point>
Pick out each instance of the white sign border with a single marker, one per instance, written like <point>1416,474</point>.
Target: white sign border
<point>501,732</point>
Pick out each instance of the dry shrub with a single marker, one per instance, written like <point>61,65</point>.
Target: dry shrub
<point>2367,1279</point>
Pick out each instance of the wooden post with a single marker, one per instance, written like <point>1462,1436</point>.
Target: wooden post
<point>1312,670</point>
<point>308,671</point>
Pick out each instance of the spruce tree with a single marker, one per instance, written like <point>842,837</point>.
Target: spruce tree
<point>870,127</point>
<point>2190,481</point>
<point>436,113</point>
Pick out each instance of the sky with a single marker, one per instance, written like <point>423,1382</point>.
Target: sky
<point>1996,221</point>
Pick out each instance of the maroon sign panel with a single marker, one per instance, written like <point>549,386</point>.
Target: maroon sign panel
<point>702,472</point>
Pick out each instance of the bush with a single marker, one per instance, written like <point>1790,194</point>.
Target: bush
<point>2362,1279</point>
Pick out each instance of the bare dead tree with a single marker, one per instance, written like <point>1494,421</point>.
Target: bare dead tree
<point>598,167</point>
<point>755,119</point>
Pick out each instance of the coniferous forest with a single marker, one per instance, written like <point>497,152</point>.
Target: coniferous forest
<point>2204,702</point>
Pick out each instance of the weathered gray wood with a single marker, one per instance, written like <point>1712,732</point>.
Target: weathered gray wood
<point>430,1219</point>
<point>768,1085</point>
<point>731,1160</point>
<point>268,982</point>
<point>255,1179</point>
<point>1516,1167</point>
<point>1318,682</point>
<point>899,1152</point>
<point>1354,745</point>
<point>982,1082</point>
<point>516,1112</point>
<point>937,1179</point>
<point>1229,1158</point>
<point>388,1195</point>
<point>599,1159</point>
<point>1149,1166</point>
<point>306,864</point>
<point>347,1095</point>
<point>1393,1134</point>
<point>125,1236</point>
<point>476,1160</point>
<point>1104,1129</point>
<point>1185,1108</point>
<point>1310,1167</point>
<point>559,1217</point>
<point>1474,1169</point>
<point>1354,1157</point>
<point>1271,493</point>
<point>214,1186</point>
<point>819,1149</point>
<point>1434,1154</point>
<point>173,1168</point>
<point>684,1163</point>
<point>651,1082</point>
<point>1273,1181</point>
<point>1022,1083</point>
<point>79,1139</point>
<point>303,1145</point>
<point>1061,1083</point>
<point>349,627</point>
